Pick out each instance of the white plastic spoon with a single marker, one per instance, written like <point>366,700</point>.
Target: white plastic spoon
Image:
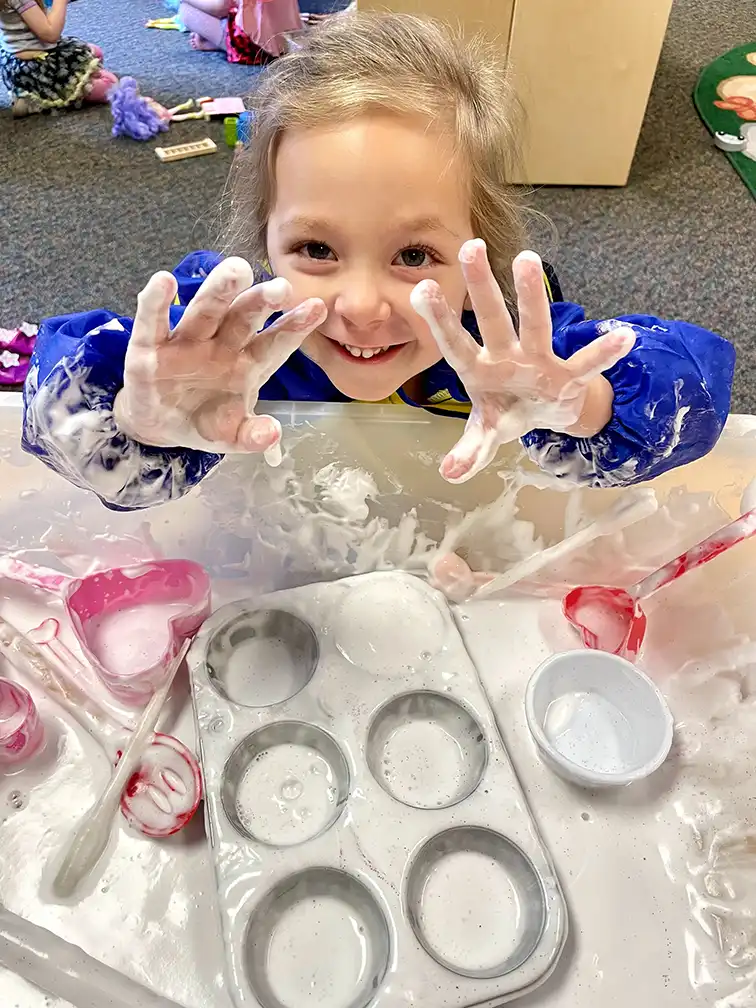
<point>91,838</point>
<point>748,500</point>
<point>624,512</point>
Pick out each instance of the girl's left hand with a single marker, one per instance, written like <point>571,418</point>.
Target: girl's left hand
<point>516,383</point>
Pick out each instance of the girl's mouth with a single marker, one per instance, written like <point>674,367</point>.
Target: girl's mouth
<point>367,355</point>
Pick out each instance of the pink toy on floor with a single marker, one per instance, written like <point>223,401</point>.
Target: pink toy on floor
<point>16,346</point>
<point>100,82</point>
<point>99,85</point>
<point>263,22</point>
<point>222,106</point>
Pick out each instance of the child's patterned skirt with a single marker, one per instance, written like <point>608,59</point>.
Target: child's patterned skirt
<point>56,79</point>
<point>239,46</point>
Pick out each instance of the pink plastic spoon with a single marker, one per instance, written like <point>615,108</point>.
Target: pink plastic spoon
<point>611,619</point>
<point>129,621</point>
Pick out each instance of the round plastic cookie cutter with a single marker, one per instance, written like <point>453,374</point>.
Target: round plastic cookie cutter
<point>164,791</point>
<point>597,720</point>
<point>21,730</point>
<point>129,621</point>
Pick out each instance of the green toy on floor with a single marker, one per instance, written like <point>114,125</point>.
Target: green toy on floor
<point>725,97</point>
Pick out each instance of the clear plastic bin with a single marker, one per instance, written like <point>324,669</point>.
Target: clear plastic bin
<point>658,879</point>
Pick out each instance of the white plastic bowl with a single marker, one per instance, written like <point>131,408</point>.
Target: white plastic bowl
<point>597,720</point>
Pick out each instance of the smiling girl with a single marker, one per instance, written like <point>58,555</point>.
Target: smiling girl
<point>373,205</point>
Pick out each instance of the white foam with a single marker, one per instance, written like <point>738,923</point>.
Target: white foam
<point>126,640</point>
<point>261,671</point>
<point>470,913</point>
<point>592,732</point>
<point>380,612</point>
<point>318,954</point>
<point>287,795</point>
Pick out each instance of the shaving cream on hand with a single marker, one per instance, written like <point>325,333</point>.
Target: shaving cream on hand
<point>197,386</point>
<point>515,381</point>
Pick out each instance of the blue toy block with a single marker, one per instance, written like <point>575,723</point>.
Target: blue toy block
<point>243,127</point>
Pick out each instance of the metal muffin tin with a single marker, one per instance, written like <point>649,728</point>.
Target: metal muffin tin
<point>371,843</point>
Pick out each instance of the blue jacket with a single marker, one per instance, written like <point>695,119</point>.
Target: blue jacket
<point>671,400</point>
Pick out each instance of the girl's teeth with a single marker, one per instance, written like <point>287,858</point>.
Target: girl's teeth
<point>359,352</point>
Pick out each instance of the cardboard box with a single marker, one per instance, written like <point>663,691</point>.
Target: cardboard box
<point>583,70</point>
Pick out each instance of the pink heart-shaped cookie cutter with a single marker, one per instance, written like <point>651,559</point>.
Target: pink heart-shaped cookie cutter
<point>129,621</point>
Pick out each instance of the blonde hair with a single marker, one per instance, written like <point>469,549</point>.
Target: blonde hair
<point>357,63</point>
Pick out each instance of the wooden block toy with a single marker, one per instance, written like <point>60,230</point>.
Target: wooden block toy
<point>181,151</point>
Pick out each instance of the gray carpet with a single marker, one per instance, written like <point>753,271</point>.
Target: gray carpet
<point>85,219</point>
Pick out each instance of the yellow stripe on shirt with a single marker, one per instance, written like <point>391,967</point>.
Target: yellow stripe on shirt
<point>451,407</point>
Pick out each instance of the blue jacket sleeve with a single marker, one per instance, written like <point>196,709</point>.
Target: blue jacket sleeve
<point>671,400</point>
<point>74,376</point>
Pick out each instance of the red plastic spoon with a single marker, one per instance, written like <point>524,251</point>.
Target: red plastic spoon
<point>611,619</point>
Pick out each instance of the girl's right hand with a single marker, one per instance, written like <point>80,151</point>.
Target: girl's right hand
<point>197,386</point>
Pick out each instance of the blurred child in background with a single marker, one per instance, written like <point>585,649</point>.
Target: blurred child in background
<point>248,31</point>
<point>41,68</point>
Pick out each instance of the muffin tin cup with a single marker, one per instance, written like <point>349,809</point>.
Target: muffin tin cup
<point>284,765</point>
<point>413,735</point>
<point>262,657</point>
<point>425,795</point>
<point>289,939</point>
<point>489,938</point>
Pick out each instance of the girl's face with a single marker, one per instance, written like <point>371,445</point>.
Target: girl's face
<point>362,213</point>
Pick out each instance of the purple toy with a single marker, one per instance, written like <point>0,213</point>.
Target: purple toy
<point>133,115</point>
<point>16,346</point>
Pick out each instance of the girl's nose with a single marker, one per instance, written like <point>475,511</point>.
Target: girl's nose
<point>361,303</point>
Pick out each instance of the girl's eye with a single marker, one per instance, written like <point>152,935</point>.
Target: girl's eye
<point>317,250</point>
<point>416,257</point>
